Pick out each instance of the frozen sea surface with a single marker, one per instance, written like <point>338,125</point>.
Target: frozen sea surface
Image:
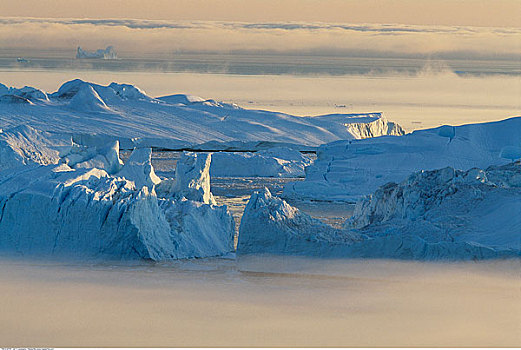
<point>264,301</point>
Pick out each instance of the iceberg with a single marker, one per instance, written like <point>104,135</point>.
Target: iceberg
<point>272,162</point>
<point>89,213</point>
<point>138,168</point>
<point>477,206</point>
<point>347,170</point>
<point>192,177</point>
<point>444,214</point>
<point>107,54</point>
<point>181,122</point>
<point>269,225</point>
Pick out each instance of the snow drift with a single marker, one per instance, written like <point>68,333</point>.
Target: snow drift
<point>347,170</point>
<point>443,214</point>
<point>126,113</point>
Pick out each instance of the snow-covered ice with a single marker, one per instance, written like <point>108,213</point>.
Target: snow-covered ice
<point>347,170</point>
<point>272,226</point>
<point>442,214</point>
<point>85,212</point>
<point>126,113</point>
<point>272,162</point>
<point>24,145</point>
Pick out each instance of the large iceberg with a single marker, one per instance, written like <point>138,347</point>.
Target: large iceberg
<point>272,162</point>
<point>346,170</point>
<point>87,212</point>
<point>477,206</point>
<point>129,115</point>
<point>443,214</point>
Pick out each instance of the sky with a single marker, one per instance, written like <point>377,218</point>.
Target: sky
<point>469,29</point>
<point>496,13</point>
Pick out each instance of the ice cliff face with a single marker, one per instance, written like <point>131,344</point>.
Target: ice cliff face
<point>126,113</point>
<point>86,212</point>
<point>347,170</point>
<point>443,214</point>
<point>273,162</point>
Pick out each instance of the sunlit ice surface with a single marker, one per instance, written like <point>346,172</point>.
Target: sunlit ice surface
<point>415,93</point>
<point>260,301</point>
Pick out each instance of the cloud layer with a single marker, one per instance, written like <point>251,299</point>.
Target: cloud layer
<point>159,37</point>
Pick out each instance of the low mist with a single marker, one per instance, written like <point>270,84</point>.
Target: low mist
<point>260,302</point>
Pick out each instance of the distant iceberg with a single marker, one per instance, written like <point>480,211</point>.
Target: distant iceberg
<point>108,54</point>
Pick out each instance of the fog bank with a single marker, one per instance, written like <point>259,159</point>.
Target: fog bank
<point>274,302</point>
